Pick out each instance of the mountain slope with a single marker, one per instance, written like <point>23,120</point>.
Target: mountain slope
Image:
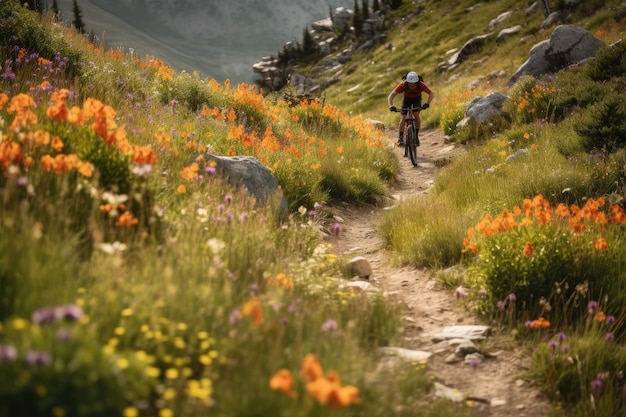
<point>221,40</point>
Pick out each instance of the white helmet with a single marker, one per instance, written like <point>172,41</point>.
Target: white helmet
<point>412,77</point>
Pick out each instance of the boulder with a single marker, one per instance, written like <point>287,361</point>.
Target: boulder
<point>250,173</point>
<point>568,45</point>
<point>481,109</point>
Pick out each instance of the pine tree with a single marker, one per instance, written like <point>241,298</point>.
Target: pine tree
<point>309,48</point>
<point>365,9</point>
<point>78,17</point>
<point>55,9</point>
<point>357,18</point>
<point>376,6</point>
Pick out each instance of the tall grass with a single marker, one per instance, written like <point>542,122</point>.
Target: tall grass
<point>136,282</point>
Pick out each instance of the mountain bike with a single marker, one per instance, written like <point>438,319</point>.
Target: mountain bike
<point>411,139</point>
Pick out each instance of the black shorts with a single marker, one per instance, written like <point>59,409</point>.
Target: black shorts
<point>408,102</point>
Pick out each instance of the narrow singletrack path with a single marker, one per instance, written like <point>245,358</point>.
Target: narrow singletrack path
<point>494,387</point>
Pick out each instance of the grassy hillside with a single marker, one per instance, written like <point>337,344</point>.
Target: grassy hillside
<point>134,281</point>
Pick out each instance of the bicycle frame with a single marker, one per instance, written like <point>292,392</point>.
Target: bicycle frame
<point>410,132</point>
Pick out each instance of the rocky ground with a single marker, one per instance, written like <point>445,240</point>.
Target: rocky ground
<point>492,382</point>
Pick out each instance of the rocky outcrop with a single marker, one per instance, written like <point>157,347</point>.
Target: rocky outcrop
<point>327,34</point>
<point>568,45</point>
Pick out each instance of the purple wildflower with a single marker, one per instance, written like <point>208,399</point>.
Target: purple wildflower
<point>244,216</point>
<point>336,229</point>
<point>596,387</point>
<point>38,358</point>
<point>560,336</point>
<point>592,307</point>
<point>8,353</point>
<point>474,362</point>
<point>210,170</point>
<point>235,316</point>
<point>609,337</point>
<point>610,319</point>
<point>329,325</point>
<point>512,297</point>
<point>528,324</point>
<point>501,305</point>
<point>553,345</point>
<point>228,198</point>
<point>44,315</point>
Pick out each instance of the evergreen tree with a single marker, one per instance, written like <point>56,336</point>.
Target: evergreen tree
<point>55,9</point>
<point>309,48</point>
<point>78,17</point>
<point>357,18</point>
<point>365,9</point>
<point>376,6</point>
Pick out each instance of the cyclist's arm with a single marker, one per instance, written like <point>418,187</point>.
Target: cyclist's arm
<point>390,98</point>
<point>431,94</point>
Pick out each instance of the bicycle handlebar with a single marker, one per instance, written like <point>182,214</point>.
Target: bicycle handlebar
<point>408,109</point>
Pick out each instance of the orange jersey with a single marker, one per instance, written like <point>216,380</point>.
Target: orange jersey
<point>408,93</point>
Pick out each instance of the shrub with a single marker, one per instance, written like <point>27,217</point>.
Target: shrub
<point>609,63</point>
<point>532,250</point>
<point>603,125</point>
<point>533,100</point>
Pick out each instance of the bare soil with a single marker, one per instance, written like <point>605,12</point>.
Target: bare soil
<point>495,387</point>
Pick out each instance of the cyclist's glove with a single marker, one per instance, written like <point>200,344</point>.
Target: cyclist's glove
<point>393,108</point>
<point>425,106</point>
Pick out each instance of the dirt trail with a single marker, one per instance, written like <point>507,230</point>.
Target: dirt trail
<point>494,385</point>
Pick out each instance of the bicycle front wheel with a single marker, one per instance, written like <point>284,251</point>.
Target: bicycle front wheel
<point>412,145</point>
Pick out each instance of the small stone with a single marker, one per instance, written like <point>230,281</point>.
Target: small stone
<point>496,402</point>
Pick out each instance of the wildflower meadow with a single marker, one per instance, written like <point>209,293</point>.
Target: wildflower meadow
<point>135,281</point>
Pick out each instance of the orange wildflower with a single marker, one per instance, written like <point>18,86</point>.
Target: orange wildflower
<point>86,169</point>
<point>57,144</point>
<point>601,244</point>
<point>282,381</point>
<point>181,189</point>
<point>528,249</point>
<point>10,152</point>
<point>600,316</point>
<point>311,368</point>
<point>190,172</point>
<point>253,309</point>
<point>540,323</point>
<point>329,391</point>
<point>282,279</point>
<point>126,219</point>
<point>144,155</point>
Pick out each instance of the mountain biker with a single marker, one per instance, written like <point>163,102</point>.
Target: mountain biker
<point>411,87</point>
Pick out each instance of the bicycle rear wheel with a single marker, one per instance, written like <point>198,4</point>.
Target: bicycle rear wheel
<point>411,145</point>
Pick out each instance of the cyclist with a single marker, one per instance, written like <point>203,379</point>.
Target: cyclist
<point>411,87</point>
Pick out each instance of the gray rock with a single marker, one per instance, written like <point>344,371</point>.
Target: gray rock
<point>570,45</point>
<point>567,45</point>
<point>506,33</point>
<point>249,172</point>
<point>406,354</point>
<point>466,348</point>
<point>360,267</point>
<point>471,332</point>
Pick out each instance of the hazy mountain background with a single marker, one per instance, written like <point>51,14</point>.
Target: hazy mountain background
<point>220,39</point>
